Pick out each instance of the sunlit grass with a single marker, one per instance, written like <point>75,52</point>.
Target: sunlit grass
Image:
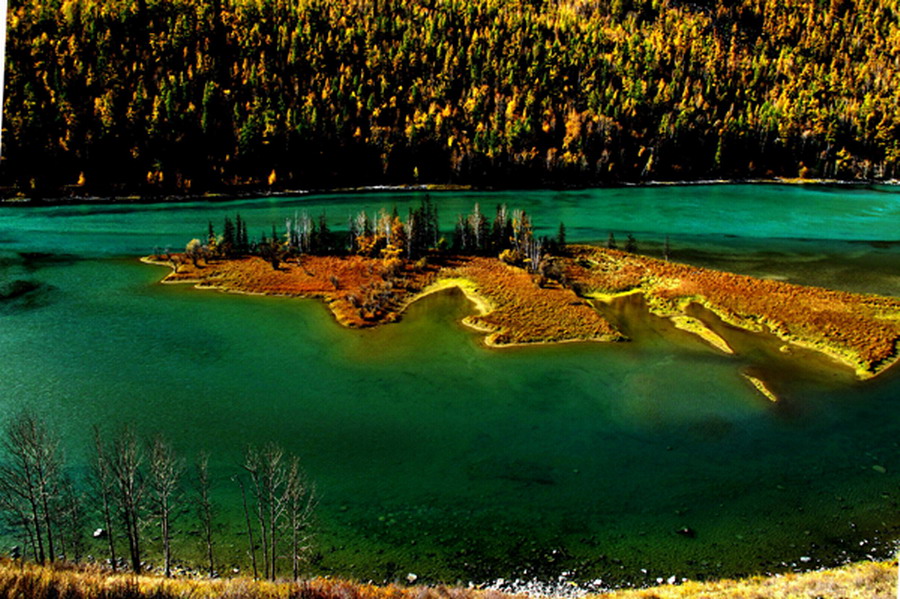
<point>865,580</point>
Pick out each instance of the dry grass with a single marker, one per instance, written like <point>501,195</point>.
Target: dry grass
<point>523,312</point>
<point>348,284</point>
<point>30,581</point>
<point>866,580</point>
<point>860,330</point>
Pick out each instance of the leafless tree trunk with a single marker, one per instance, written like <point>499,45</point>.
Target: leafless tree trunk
<point>267,472</point>
<point>16,513</point>
<point>301,502</point>
<point>72,519</point>
<point>31,475</point>
<point>253,465</point>
<point>125,466</point>
<point>165,472</point>
<point>205,507</point>
<point>249,528</point>
<point>104,487</point>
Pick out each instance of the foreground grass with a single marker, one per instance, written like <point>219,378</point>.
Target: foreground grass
<point>869,580</point>
<point>864,580</point>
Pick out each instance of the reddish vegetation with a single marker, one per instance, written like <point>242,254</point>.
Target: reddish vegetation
<point>858,329</point>
<point>368,293</point>
<point>524,311</point>
<point>360,291</point>
<point>861,329</point>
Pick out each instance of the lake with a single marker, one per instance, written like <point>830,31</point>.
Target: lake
<point>437,456</point>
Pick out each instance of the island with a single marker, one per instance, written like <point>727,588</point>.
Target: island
<point>552,297</point>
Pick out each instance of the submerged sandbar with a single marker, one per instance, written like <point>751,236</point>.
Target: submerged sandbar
<point>517,307</point>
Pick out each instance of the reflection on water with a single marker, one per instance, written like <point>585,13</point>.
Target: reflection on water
<point>438,456</point>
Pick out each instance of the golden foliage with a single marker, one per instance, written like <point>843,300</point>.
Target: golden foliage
<point>597,91</point>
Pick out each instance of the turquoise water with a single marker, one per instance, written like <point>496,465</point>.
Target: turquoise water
<point>435,455</point>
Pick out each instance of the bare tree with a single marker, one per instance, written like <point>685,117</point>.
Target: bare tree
<point>104,487</point>
<point>252,544</point>
<point>17,515</point>
<point>165,473</point>
<point>269,476</point>
<point>125,465</point>
<point>300,500</point>
<point>31,478</point>
<point>204,506</point>
<point>72,521</point>
<point>194,250</point>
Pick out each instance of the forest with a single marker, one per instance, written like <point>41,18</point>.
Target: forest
<point>169,97</point>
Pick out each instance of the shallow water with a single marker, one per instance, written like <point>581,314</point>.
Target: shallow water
<point>435,455</point>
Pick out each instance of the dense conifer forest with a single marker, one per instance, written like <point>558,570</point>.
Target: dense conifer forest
<point>188,96</point>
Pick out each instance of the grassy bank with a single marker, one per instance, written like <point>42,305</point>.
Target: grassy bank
<point>865,580</point>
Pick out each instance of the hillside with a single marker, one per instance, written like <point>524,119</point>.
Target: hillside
<point>181,96</point>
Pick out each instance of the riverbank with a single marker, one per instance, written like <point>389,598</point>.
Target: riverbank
<point>869,580</point>
<point>78,196</point>
<point>516,307</point>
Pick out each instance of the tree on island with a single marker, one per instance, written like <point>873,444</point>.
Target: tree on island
<point>631,244</point>
<point>194,251</point>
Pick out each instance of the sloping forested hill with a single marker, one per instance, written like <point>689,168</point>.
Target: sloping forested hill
<point>113,96</point>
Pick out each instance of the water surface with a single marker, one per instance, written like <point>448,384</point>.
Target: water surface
<point>435,455</point>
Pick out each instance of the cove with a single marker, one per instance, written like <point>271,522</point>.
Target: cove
<point>435,455</point>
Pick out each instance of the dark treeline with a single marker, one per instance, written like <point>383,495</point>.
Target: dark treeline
<point>175,96</point>
<point>507,234</point>
<point>135,484</point>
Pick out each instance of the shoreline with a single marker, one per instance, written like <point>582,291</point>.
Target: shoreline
<point>261,192</point>
<point>512,308</point>
<point>761,386</point>
<point>497,312</point>
<point>858,331</point>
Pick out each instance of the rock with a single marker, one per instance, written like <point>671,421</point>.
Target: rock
<point>686,532</point>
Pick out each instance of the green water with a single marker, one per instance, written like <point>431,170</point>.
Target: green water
<point>435,455</point>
